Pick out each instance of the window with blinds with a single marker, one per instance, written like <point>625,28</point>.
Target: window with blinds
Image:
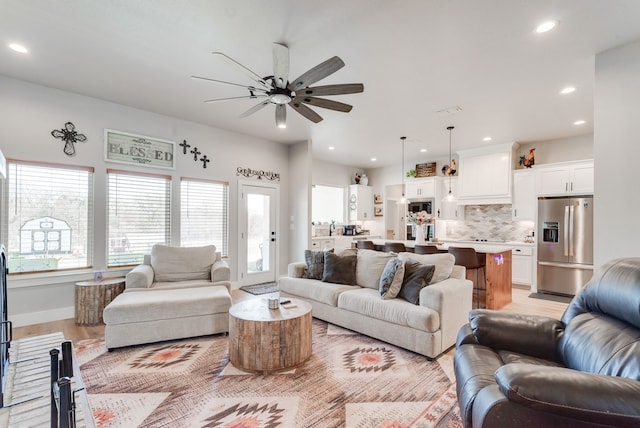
<point>49,221</point>
<point>204,214</point>
<point>139,215</point>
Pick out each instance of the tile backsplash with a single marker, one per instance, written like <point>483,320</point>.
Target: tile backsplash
<point>491,222</point>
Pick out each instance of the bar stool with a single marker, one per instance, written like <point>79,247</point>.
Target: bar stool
<point>365,245</point>
<point>396,247</point>
<point>468,258</point>
<point>425,249</point>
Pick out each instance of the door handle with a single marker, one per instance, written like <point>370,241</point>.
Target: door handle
<point>571,210</point>
<point>273,239</point>
<point>566,231</point>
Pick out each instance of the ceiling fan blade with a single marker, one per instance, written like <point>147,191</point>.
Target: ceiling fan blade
<point>330,104</point>
<point>235,98</point>
<point>305,111</point>
<point>250,73</point>
<point>281,116</point>
<point>251,88</point>
<point>255,108</point>
<point>318,72</point>
<point>346,88</point>
<point>280,65</point>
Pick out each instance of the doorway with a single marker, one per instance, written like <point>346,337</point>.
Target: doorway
<point>257,258</point>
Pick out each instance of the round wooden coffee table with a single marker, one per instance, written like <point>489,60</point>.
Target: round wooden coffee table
<point>265,340</point>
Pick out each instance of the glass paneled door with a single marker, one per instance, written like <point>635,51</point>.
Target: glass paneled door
<point>257,234</point>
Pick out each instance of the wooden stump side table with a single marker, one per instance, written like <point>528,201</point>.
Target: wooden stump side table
<point>266,340</point>
<point>93,296</point>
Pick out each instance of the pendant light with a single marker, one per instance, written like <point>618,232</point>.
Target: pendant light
<point>403,200</point>
<point>450,196</point>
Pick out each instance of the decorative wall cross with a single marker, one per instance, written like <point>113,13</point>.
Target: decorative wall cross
<point>195,153</point>
<point>69,135</point>
<point>205,160</point>
<point>184,146</point>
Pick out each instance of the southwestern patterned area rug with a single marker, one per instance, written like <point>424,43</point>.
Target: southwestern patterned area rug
<point>351,380</point>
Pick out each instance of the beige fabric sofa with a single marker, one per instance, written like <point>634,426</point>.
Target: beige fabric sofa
<point>179,267</point>
<point>178,292</point>
<point>428,328</point>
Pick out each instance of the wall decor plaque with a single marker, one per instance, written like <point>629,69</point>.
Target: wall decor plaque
<point>124,147</point>
<point>426,169</point>
<point>260,174</point>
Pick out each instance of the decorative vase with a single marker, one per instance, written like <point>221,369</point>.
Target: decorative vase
<point>364,180</point>
<point>418,231</point>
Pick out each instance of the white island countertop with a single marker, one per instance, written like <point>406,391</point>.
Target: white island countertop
<point>479,246</point>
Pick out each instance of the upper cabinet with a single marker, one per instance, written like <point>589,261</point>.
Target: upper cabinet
<point>420,188</point>
<point>360,202</point>
<point>524,195</point>
<point>485,175</point>
<point>566,178</point>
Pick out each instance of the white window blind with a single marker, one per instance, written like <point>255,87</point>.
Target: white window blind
<point>204,214</point>
<point>138,215</point>
<point>49,221</point>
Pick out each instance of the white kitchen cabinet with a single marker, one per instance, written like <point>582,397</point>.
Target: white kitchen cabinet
<point>449,210</point>
<point>524,195</point>
<point>342,243</point>
<point>566,178</point>
<point>522,265</point>
<point>485,175</point>
<point>360,202</point>
<point>420,188</point>
<point>322,244</point>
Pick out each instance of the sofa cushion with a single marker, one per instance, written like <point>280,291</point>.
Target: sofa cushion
<point>416,277</point>
<point>339,269</point>
<point>367,302</point>
<point>313,289</point>
<point>315,263</point>
<point>443,262</point>
<point>370,266</point>
<point>182,263</point>
<point>391,279</point>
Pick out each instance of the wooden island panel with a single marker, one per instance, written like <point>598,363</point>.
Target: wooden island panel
<point>498,279</point>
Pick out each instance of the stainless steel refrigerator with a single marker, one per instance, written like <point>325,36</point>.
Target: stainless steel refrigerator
<point>565,244</point>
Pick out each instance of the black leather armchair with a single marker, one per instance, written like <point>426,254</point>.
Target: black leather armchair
<point>533,371</point>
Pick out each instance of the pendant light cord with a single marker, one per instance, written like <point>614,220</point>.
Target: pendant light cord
<point>403,138</point>
<point>450,128</point>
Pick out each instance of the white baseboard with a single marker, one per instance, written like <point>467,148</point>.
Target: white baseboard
<point>20,320</point>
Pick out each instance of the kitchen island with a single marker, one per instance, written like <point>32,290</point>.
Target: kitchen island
<point>495,289</point>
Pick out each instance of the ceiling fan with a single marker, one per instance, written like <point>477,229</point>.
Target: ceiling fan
<point>277,90</point>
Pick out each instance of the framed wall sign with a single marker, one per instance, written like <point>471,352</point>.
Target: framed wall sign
<point>136,149</point>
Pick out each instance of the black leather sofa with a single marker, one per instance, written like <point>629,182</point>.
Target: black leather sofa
<point>534,371</point>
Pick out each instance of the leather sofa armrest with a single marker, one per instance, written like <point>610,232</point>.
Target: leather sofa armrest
<point>220,271</point>
<point>570,393</point>
<point>296,269</point>
<point>533,335</point>
<point>140,276</point>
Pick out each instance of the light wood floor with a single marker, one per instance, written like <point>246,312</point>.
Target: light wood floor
<point>522,303</point>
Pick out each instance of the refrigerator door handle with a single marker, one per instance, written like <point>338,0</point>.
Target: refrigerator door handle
<point>566,231</point>
<point>571,208</point>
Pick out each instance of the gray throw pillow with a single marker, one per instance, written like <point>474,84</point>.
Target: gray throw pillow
<point>416,277</point>
<point>391,279</point>
<point>339,269</point>
<point>315,264</point>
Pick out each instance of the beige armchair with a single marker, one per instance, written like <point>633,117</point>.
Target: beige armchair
<point>179,267</point>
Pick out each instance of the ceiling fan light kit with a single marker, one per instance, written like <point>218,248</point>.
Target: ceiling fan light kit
<point>278,91</point>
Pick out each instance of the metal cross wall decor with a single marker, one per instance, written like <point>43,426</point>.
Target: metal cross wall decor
<point>69,135</point>
<point>195,152</point>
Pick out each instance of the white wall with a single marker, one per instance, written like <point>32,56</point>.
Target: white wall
<point>30,112</point>
<point>617,150</point>
<point>300,161</point>
<point>558,150</point>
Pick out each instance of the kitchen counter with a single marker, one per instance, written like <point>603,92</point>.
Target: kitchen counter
<point>481,247</point>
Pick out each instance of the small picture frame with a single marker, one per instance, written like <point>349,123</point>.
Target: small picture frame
<point>377,199</point>
<point>377,211</point>
<point>97,276</point>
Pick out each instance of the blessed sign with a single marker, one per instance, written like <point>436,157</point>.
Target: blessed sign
<point>138,149</point>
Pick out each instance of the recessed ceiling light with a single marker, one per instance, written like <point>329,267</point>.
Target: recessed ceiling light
<point>546,26</point>
<point>18,48</point>
<point>331,148</point>
<point>487,139</point>
<point>423,150</point>
<point>567,90</point>
<point>373,159</point>
<point>579,122</point>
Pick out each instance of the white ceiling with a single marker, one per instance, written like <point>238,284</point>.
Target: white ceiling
<point>415,58</point>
